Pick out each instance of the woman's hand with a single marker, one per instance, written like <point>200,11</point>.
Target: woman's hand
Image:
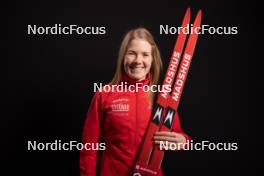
<point>170,137</point>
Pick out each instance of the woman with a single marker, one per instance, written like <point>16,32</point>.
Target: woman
<point>121,118</point>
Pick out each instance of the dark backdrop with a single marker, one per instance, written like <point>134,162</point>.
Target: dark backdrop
<point>49,80</point>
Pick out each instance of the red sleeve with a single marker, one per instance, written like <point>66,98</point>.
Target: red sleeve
<point>91,134</point>
<point>177,127</point>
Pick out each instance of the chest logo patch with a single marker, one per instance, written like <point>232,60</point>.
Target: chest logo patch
<point>120,107</point>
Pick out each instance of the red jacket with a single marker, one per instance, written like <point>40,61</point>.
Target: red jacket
<point>120,119</point>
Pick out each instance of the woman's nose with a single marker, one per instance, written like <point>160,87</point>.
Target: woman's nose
<point>138,58</point>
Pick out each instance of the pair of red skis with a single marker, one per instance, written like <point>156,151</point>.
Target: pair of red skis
<point>150,157</point>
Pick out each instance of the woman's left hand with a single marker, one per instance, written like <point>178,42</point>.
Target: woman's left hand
<point>170,137</point>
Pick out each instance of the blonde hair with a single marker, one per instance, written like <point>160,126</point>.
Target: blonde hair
<point>156,65</point>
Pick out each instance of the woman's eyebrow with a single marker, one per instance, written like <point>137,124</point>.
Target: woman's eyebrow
<point>146,52</point>
<point>131,50</point>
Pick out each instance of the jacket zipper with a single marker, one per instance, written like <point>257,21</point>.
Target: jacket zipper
<point>136,130</point>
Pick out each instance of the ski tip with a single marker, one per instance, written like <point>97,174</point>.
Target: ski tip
<point>188,11</point>
<point>199,13</point>
<point>198,18</point>
<point>187,15</point>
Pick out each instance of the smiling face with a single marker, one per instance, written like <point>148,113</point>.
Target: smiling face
<point>138,59</point>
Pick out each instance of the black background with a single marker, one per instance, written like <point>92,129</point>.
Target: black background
<point>49,80</point>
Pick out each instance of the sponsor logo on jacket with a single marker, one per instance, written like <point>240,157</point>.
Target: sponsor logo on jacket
<point>120,107</point>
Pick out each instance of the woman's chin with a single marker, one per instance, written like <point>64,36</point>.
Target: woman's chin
<point>138,78</point>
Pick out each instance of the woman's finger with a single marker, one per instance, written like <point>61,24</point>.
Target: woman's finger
<point>165,138</point>
<point>169,136</point>
<point>166,133</point>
